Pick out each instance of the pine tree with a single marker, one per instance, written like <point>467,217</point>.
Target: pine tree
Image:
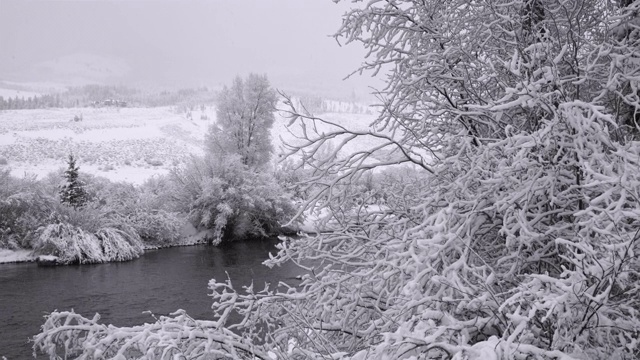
<point>73,192</point>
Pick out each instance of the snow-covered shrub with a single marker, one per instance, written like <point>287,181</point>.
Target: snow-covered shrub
<point>118,197</point>
<point>24,207</point>
<point>28,206</point>
<point>139,209</point>
<point>233,199</point>
<point>156,227</point>
<point>98,153</point>
<point>71,244</point>
<point>12,212</point>
<point>153,162</point>
<point>146,209</point>
<point>118,244</point>
<point>88,218</point>
<point>162,193</point>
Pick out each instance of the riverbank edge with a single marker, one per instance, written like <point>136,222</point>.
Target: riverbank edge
<point>13,256</point>
<point>8,256</point>
<point>191,236</point>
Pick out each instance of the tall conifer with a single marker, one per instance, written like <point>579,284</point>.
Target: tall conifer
<point>73,192</point>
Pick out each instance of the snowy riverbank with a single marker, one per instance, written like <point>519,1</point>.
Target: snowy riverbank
<point>15,256</point>
<point>190,236</point>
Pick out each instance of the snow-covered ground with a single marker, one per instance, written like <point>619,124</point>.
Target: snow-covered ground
<point>121,144</point>
<point>11,256</point>
<point>126,144</point>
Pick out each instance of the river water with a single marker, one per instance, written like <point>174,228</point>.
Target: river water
<point>161,281</point>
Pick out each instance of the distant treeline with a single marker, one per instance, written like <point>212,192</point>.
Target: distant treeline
<point>31,102</point>
<point>105,95</point>
<point>315,104</point>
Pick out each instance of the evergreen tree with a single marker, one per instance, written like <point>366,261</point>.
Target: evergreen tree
<point>73,192</point>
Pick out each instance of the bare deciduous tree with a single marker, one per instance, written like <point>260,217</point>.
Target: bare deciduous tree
<point>245,115</point>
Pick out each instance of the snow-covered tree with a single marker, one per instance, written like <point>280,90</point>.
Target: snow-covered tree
<point>73,192</point>
<point>245,115</point>
<point>518,242</point>
<point>517,235</point>
<point>231,199</point>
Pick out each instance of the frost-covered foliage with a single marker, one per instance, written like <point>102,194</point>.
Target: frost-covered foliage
<point>517,235</point>
<point>149,209</point>
<point>170,337</point>
<point>124,205</point>
<point>232,199</point>
<point>73,245</point>
<point>156,227</point>
<point>23,209</point>
<point>245,115</point>
<point>28,206</point>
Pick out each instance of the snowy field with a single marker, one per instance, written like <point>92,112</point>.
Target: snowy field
<point>126,144</point>
<point>121,144</point>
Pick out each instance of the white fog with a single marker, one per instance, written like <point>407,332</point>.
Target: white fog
<point>177,43</point>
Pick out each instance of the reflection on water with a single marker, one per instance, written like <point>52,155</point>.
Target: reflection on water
<point>161,281</point>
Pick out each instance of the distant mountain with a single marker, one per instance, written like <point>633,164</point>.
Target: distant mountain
<point>78,69</point>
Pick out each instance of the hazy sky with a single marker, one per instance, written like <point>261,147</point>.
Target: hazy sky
<point>187,42</point>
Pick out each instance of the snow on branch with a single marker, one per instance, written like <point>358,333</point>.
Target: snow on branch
<point>170,337</point>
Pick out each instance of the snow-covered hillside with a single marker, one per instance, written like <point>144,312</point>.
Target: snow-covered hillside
<point>12,93</point>
<point>82,68</point>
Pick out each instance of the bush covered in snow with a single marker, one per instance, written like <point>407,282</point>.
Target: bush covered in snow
<point>232,199</point>
<point>24,206</point>
<point>116,214</point>
<point>156,227</point>
<point>142,152</point>
<point>71,244</point>
<point>150,209</point>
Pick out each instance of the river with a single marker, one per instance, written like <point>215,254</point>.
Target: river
<point>160,281</point>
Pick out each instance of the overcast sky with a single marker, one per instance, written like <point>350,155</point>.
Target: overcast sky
<point>188,42</point>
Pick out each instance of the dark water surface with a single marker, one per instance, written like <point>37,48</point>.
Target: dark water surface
<point>161,281</point>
